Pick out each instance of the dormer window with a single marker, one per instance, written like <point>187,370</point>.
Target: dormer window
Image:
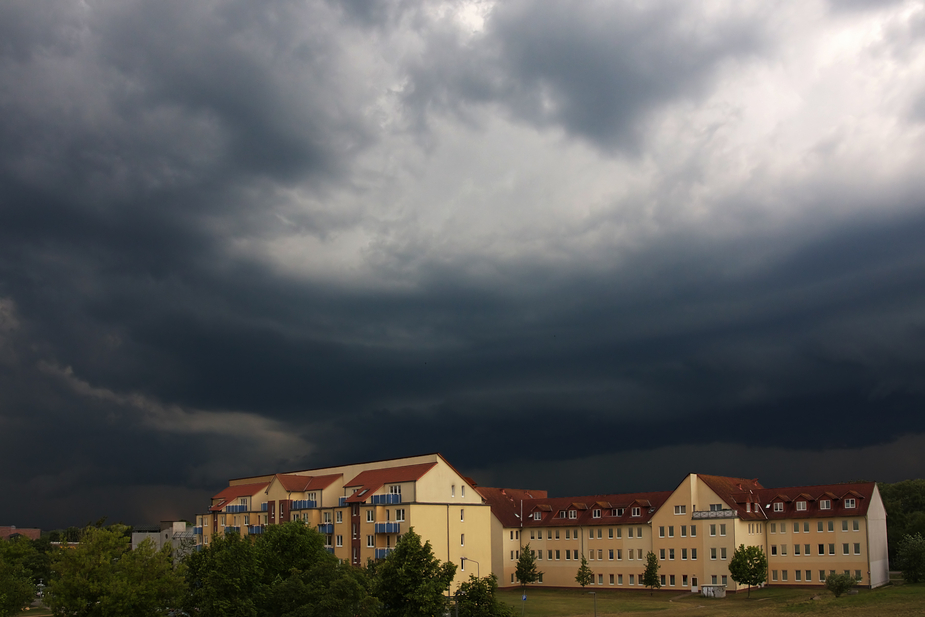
<point>748,507</point>
<point>619,511</point>
<point>561,513</point>
<point>636,511</point>
<point>778,506</point>
<point>801,506</point>
<point>850,503</point>
<point>572,514</point>
<point>537,516</point>
<point>825,504</point>
<point>596,514</point>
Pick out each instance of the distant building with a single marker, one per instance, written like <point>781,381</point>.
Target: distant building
<point>12,532</point>
<point>807,532</point>
<point>175,533</point>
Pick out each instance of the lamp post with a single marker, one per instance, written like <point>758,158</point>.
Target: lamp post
<point>594,593</point>
<point>465,559</point>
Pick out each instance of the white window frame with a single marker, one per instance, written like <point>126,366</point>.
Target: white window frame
<point>801,506</point>
<point>825,504</point>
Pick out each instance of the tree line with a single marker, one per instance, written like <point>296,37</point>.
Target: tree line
<point>286,571</point>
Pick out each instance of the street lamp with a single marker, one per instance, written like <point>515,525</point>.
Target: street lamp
<point>594,593</point>
<point>465,559</point>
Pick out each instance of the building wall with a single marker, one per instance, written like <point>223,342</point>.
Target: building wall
<point>878,551</point>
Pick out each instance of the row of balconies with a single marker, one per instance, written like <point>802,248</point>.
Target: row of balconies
<point>387,499</point>
<point>328,528</point>
<point>304,504</point>
<point>700,514</point>
<point>235,509</point>
<point>254,529</point>
<point>230,529</point>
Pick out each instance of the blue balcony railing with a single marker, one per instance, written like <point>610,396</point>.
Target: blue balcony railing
<point>382,553</point>
<point>329,549</point>
<point>254,529</point>
<point>388,527</point>
<point>263,507</point>
<point>235,509</point>
<point>342,502</point>
<point>197,531</point>
<point>304,504</point>
<point>230,529</point>
<point>387,499</point>
<point>326,528</point>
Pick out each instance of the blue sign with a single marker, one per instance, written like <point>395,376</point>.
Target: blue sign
<point>524,598</point>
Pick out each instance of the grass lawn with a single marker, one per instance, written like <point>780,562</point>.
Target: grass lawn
<point>896,601</point>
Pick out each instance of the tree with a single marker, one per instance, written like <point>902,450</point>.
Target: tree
<point>16,589</point>
<point>584,576</point>
<point>224,578</point>
<point>749,566</point>
<point>411,582</point>
<point>650,576</point>
<point>905,510</point>
<point>526,572</point>
<point>476,598</point>
<point>910,556</point>
<point>101,577</point>
<point>31,555</point>
<point>840,583</point>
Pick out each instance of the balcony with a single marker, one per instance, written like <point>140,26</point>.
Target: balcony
<point>385,500</point>
<point>197,531</point>
<point>230,529</point>
<point>263,507</point>
<point>304,504</point>
<point>236,509</point>
<point>329,549</point>
<point>342,502</point>
<point>254,530</point>
<point>704,514</point>
<point>388,527</point>
<point>326,528</point>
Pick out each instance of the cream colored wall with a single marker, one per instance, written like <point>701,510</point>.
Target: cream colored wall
<point>443,485</point>
<point>878,555</point>
<point>814,562</point>
<point>495,537</point>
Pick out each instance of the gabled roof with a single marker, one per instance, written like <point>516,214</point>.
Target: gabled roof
<point>372,480</point>
<point>550,508</point>
<point>236,491</point>
<point>296,484</point>
<point>736,492</point>
<point>505,503</point>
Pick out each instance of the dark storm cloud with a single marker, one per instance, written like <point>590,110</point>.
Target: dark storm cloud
<point>224,250</point>
<point>596,70</point>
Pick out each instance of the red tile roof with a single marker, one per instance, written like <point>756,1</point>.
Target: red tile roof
<point>372,480</point>
<point>238,490</point>
<point>736,492</point>
<point>506,506</point>
<point>297,484</point>
<point>861,492</point>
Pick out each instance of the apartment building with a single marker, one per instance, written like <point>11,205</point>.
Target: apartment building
<point>807,532</point>
<point>362,509</point>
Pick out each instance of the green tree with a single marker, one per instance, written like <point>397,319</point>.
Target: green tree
<point>584,575</point>
<point>905,510</point>
<point>102,577</point>
<point>410,582</point>
<point>32,555</point>
<point>910,556</point>
<point>650,575</point>
<point>840,583</point>
<point>476,598</point>
<point>16,589</point>
<point>225,578</point>
<point>526,572</point>
<point>749,566</point>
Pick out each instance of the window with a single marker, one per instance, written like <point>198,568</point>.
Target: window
<point>327,517</point>
<point>844,525</point>
<point>661,554</point>
<point>850,502</point>
<point>661,532</point>
<point>773,527</point>
<point>825,504</point>
<point>462,517</point>
<point>619,554</point>
<point>725,580</point>
<point>671,531</point>
<point>462,490</point>
<point>783,549</point>
<point>339,516</point>
<point>557,534</point>
<point>796,550</point>
<point>857,575</point>
<point>713,529</point>
<point>537,516</point>
<point>591,555</point>
<point>683,553</point>
<point>340,540</point>
<point>639,532</point>
<point>693,531</point>
<point>831,549</point>
<point>806,550</point>
<point>831,525</point>
<point>619,511</point>
<point>662,577</point>
<point>716,507</point>
<point>798,576</point>
<point>783,575</point>
<point>590,534</point>
<point>512,534</point>
<point>671,554</point>
<point>400,515</point>
<point>629,554</point>
<point>395,489</point>
<point>370,541</point>
<point>801,506</point>
<point>557,555</point>
<point>462,539</point>
<point>370,516</point>
<point>773,575</point>
<point>684,580</point>
<point>596,513</point>
<point>611,579</point>
<point>532,534</point>
<point>549,554</point>
<point>778,506</point>
<point>452,490</point>
<point>856,525</point>
<point>773,549</point>
<point>680,509</point>
<point>611,555</point>
<point>857,548</point>
<point>600,553</point>
<point>600,579</point>
<point>844,549</point>
<point>683,531</point>
<point>806,527</point>
<point>809,576</point>
<point>693,553</point>
<point>619,579</point>
<point>573,514</point>
<point>539,553</point>
<point>822,549</point>
<point>638,553</point>
<point>636,512</point>
<point>722,529</point>
<point>821,576</point>
<point>722,553</point>
<point>819,526</point>
<point>599,533</point>
<point>568,534</point>
<point>561,514</point>
<point>610,533</point>
<point>713,578</point>
<point>629,532</point>
<point>549,534</point>
<point>713,553</point>
<point>632,576</point>
<point>796,528</point>
<point>671,580</point>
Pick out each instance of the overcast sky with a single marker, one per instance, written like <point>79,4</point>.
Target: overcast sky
<point>582,246</point>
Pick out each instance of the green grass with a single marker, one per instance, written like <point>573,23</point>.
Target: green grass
<point>899,601</point>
